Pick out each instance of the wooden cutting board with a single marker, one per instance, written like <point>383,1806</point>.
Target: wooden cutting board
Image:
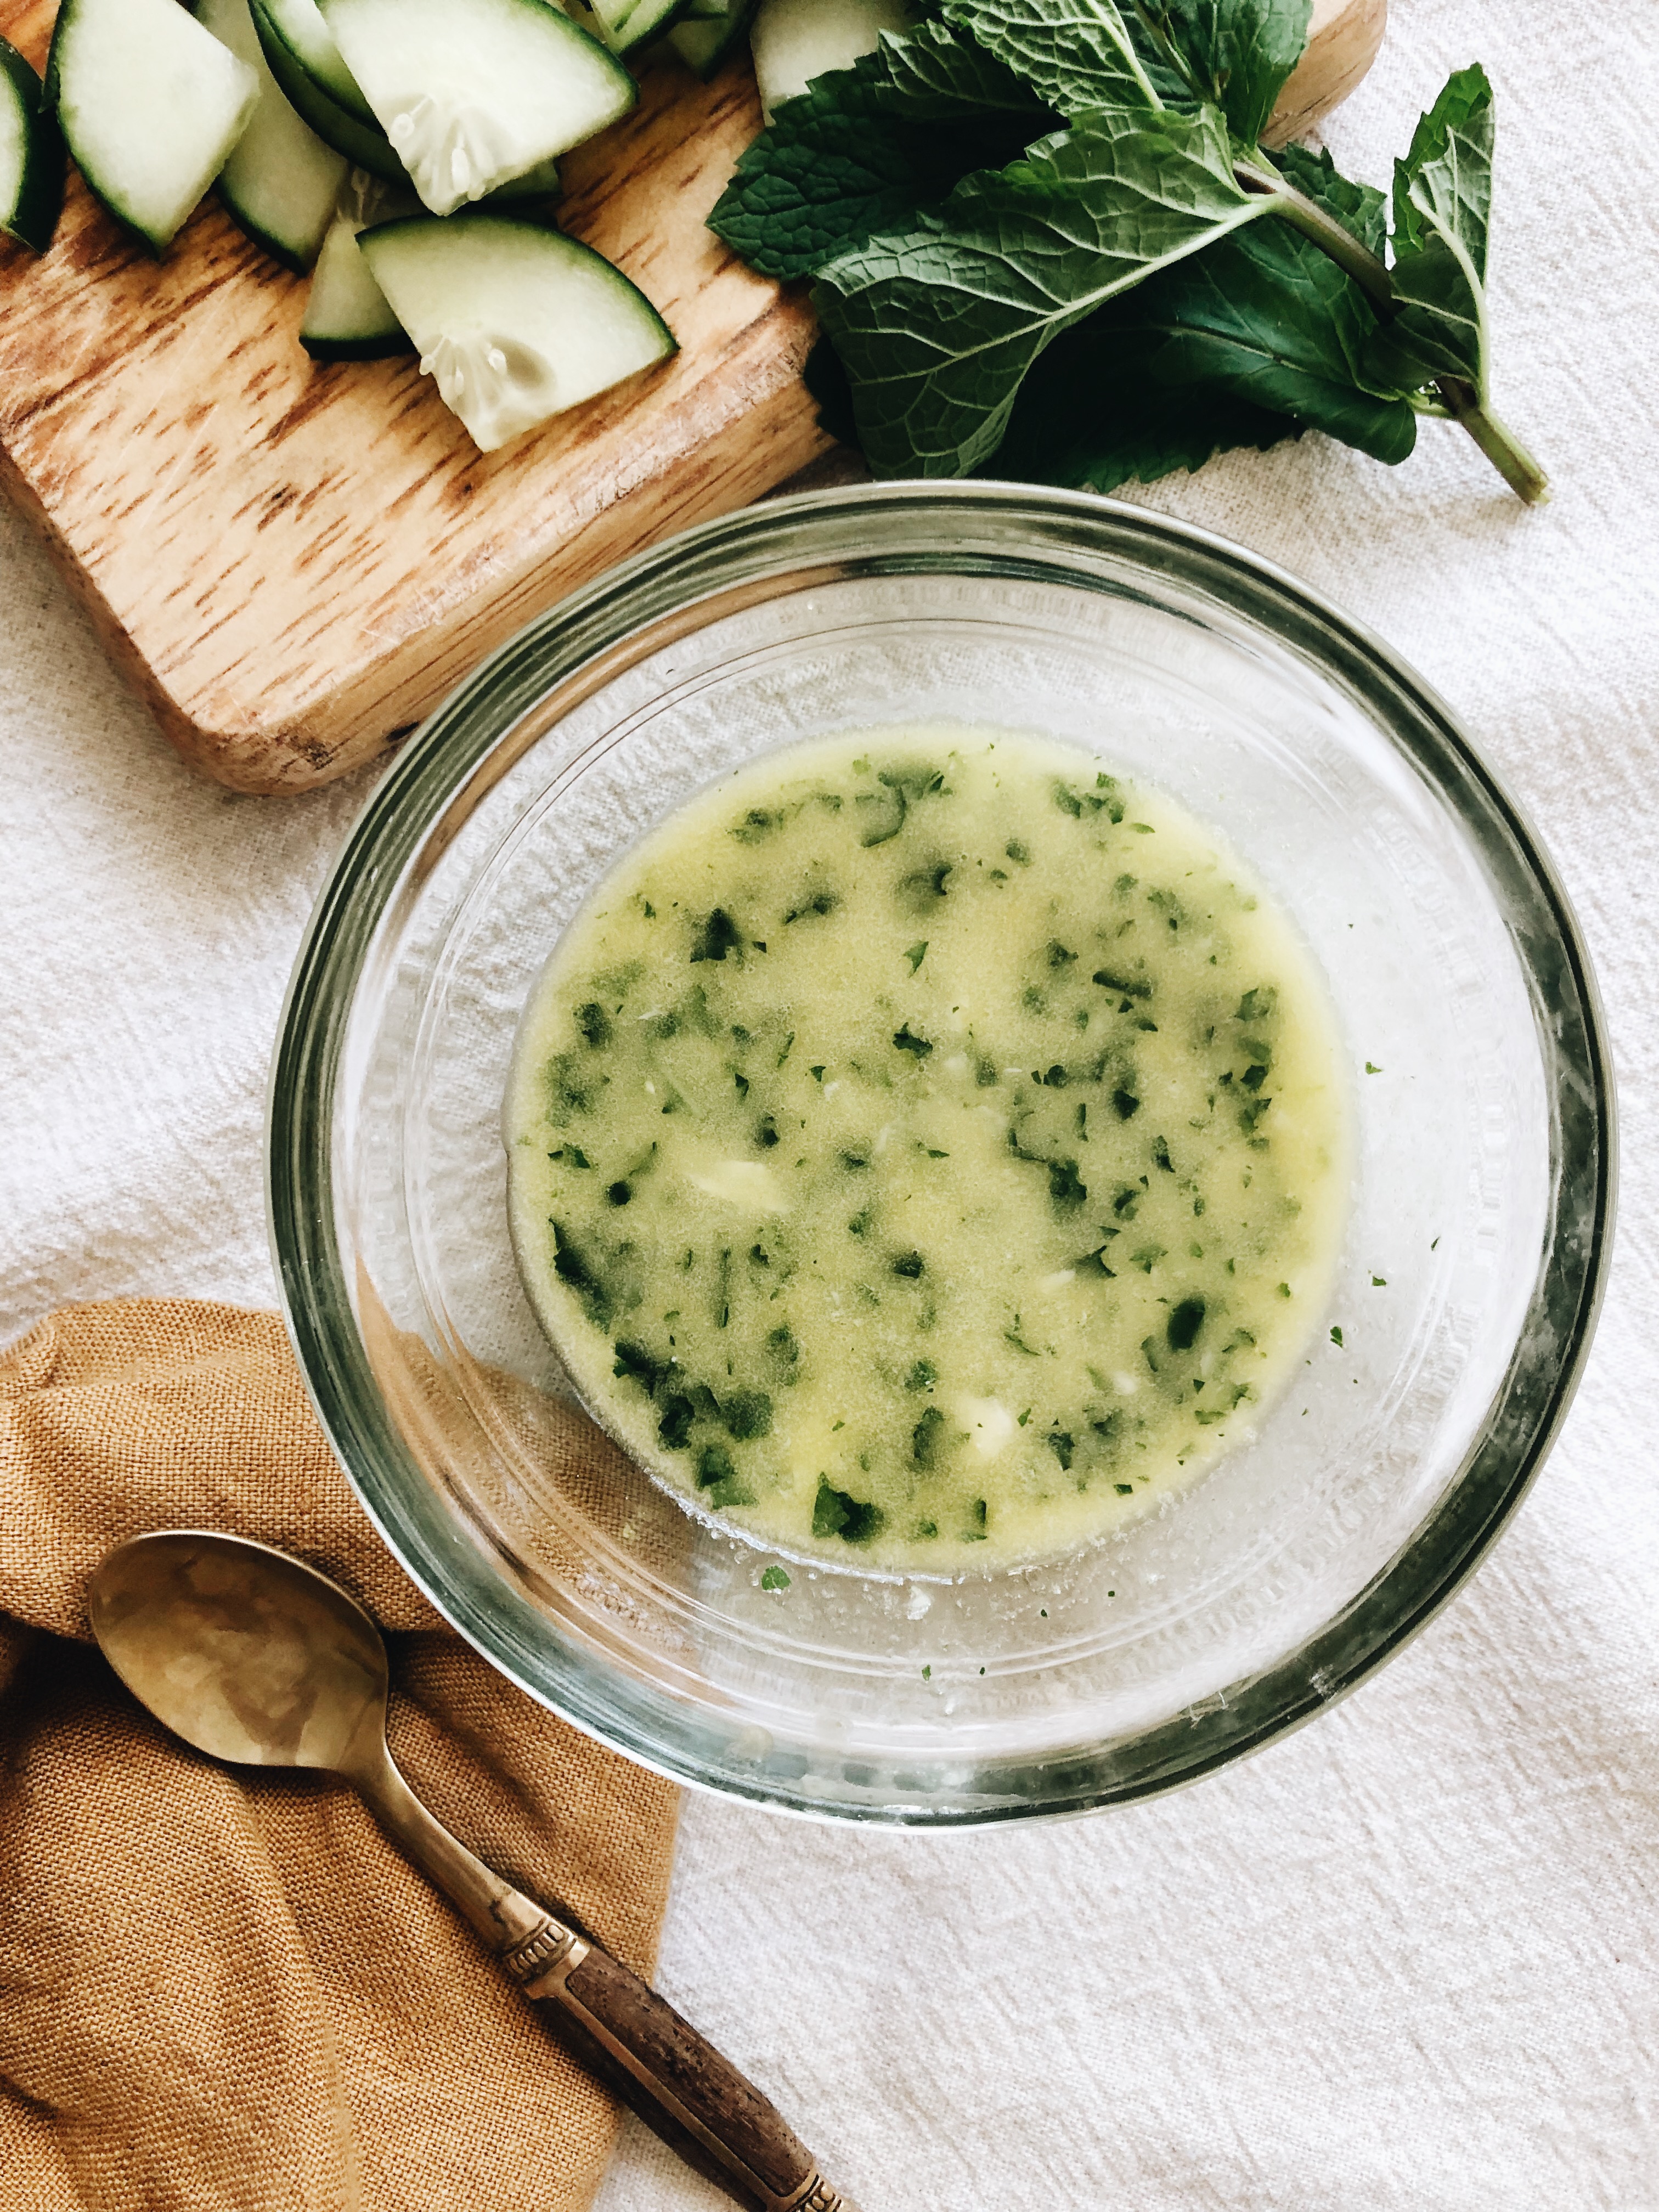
<point>295,563</point>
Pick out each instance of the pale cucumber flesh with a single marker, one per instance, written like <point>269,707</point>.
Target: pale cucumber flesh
<point>281,182</point>
<point>472,93</point>
<point>15,120</point>
<point>796,41</point>
<point>348,316</point>
<point>117,66</point>
<point>515,321</point>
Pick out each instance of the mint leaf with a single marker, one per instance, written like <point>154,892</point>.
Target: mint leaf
<point>863,149</point>
<point>1257,337</point>
<point>826,380</point>
<point>1267,317</point>
<point>1442,207</point>
<point>1235,54</point>
<point>1361,210</point>
<point>1076,55</point>
<point>937,327</point>
<point>1089,419</point>
<point>1168,82</point>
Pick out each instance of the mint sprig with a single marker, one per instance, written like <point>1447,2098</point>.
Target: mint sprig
<point>1109,303</point>
<point>937,327</point>
<point>1441,211</point>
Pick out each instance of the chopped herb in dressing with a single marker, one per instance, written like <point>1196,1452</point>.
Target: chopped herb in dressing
<point>949,1248</point>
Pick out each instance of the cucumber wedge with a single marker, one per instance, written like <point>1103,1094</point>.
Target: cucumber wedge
<point>515,321</point>
<point>795,40</point>
<point>703,43</point>
<point>474,93</point>
<point>364,144</point>
<point>348,316</point>
<point>281,182</point>
<point>299,25</point>
<point>31,155</point>
<point>625,24</point>
<point>150,106</point>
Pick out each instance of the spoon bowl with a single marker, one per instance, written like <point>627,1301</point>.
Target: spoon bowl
<point>245,1653</point>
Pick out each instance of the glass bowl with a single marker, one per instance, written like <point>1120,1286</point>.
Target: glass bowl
<point>1479,1219</point>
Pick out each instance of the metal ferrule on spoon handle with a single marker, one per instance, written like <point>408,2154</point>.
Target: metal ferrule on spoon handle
<point>616,2025</point>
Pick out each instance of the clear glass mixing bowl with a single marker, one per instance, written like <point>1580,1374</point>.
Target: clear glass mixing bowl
<point>1481,1199</point>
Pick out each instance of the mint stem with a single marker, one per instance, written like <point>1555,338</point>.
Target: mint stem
<point>1463,403</point>
<point>1326,233</point>
<point>1496,440</point>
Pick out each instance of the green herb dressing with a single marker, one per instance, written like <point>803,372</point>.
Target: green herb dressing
<point>926,1152</point>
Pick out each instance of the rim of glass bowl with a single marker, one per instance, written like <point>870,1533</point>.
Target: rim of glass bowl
<point>1022,533</point>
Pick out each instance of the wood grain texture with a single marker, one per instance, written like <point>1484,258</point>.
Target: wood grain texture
<point>292,561</point>
<point>1343,38</point>
<point>607,2005</point>
<point>295,563</point>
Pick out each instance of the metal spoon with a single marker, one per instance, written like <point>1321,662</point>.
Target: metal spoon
<point>253,1658</point>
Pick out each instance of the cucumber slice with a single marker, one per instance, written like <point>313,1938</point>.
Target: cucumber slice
<point>299,26</point>
<point>474,93</point>
<point>795,40</point>
<point>625,24</point>
<point>31,155</point>
<point>348,316</point>
<point>281,182</point>
<point>363,143</point>
<point>703,43</point>
<point>150,106</point>
<point>514,320</point>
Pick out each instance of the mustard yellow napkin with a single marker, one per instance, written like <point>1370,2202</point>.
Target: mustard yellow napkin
<point>225,1990</point>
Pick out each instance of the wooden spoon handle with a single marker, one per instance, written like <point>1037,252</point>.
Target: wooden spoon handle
<point>677,2081</point>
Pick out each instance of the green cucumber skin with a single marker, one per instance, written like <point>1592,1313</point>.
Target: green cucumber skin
<point>705,42</point>
<point>393,345</point>
<point>262,238</point>
<point>364,144</point>
<point>623,40</point>
<point>40,194</point>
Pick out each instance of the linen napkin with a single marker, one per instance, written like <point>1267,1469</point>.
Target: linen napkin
<point>222,1989</point>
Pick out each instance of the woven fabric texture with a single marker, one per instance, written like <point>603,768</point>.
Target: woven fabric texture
<point>1407,1961</point>
<point>224,1991</point>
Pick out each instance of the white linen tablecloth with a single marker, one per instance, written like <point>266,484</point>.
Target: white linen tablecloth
<point>1404,1961</point>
